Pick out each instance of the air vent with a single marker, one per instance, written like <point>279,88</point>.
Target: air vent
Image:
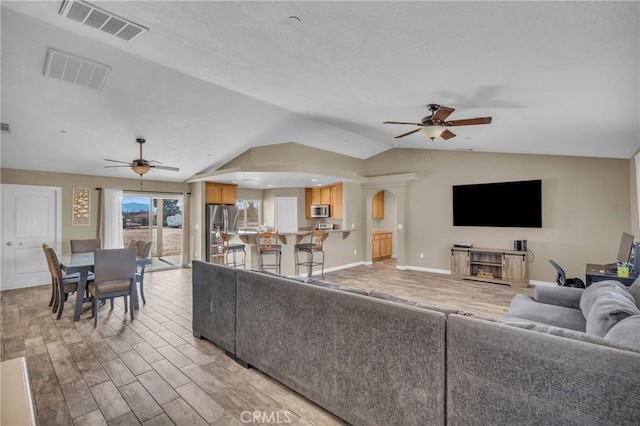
<point>98,18</point>
<point>74,69</point>
<point>4,128</point>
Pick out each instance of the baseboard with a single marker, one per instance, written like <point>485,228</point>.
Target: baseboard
<point>423,269</point>
<point>335,268</point>
<point>535,282</point>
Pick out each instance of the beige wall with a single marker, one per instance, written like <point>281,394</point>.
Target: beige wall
<point>68,181</point>
<point>586,206</point>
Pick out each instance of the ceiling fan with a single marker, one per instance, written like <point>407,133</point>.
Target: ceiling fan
<point>435,124</point>
<point>142,166</point>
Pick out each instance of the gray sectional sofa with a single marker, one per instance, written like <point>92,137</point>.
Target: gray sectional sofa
<point>375,359</point>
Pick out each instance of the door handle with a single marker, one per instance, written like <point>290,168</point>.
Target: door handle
<point>9,243</point>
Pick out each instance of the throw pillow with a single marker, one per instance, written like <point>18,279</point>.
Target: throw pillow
<point>626,333</point>
<point>634,290</point>
<point>609,309</point>
<point>595,290</point>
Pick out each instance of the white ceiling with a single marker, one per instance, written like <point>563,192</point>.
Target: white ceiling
<point>212,79</point>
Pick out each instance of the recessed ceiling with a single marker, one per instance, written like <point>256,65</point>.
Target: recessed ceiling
<point>221,77</point>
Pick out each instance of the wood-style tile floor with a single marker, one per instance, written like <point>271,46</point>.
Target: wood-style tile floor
<point>152,371</point>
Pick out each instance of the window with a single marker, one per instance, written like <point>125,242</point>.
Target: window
<point>249,213</point>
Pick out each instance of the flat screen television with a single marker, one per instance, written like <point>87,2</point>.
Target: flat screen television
<point>502,204</point>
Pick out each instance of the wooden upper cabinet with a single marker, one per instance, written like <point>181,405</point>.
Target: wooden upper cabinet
<point>378,205</point>
<point>325,195</point>
<point>315,196</point>
<point>221,193</point>
<point>229,194</point>
<point>307,202</point>
<point>330,195</point>
<point>336,201</point>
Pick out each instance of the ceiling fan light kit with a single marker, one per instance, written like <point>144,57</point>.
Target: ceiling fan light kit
<point>434,125</point>
<point>433,132</point>
<point>140,169</point>
<point>141,166</point>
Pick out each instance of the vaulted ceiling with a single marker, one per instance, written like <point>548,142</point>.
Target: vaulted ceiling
<point>210,80</point>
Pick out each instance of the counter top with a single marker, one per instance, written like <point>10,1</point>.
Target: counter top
<point>246,235</point>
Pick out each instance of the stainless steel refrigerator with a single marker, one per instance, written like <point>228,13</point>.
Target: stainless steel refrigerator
<point>222,218</point>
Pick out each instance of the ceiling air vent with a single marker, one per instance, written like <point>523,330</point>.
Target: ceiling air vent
<point>95,17</point>
<point>74,69</point>
<point>4,128</point>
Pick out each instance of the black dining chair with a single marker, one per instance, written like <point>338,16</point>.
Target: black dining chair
<point>115,276</point>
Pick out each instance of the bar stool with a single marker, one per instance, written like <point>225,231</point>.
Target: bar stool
<point>231,249</point>
<point>267,246</point>
<point>311,249</point>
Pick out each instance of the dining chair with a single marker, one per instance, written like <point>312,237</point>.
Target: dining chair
<point>62,286</point>
<point>114,271</point>
<point>143,248</point>
<point>86,245</point>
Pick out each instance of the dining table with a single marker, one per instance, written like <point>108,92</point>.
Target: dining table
<point>83,264</point>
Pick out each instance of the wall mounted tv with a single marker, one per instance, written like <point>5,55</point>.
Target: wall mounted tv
<point>501,204</point>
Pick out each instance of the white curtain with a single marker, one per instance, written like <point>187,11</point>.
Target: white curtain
<point>186,258</point>
<point>637,158</point>
<point>111,218</point>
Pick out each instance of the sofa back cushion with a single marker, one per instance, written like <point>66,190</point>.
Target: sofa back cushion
<point>367,360</point>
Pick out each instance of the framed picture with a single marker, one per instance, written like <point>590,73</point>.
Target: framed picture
<point>81,214</point>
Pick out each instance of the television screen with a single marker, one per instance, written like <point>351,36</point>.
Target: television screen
<point>503,204</point>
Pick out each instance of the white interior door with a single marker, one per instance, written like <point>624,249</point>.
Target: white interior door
<point>286,214</point>
<point>30,217</point>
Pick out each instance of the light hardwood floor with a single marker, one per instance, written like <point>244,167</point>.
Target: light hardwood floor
<point>152,371</point>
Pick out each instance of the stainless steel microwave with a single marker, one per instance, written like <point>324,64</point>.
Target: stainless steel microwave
<point>319,210</point>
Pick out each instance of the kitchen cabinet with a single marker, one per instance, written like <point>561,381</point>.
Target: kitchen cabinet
<point>381,245</point>
<point>378,205</point>
<point>336,201</point>
<point>221,193</point>
<point>491,265</point>
<point>329,195</point>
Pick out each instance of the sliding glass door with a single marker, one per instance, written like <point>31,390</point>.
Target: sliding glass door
<point>157,218</point>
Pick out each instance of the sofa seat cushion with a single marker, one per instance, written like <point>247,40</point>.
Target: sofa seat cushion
<point>524,307</point>
<point>626,333</point>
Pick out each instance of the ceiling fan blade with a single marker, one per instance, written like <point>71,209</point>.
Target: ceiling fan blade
<point>109,167</point>
<point>442,113</point>
<point>117,161</point>
<point>447,134</point>
<point>171,169</point>
<point>469,121</point>
<point>401,122</point>
<point>407,134</point>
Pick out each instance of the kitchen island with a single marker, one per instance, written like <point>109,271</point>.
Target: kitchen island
<point>337,246</point>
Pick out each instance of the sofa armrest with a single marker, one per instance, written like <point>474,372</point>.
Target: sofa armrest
<point>569,297</point>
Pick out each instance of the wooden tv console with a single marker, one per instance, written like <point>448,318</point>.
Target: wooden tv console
<point>499,266</point>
